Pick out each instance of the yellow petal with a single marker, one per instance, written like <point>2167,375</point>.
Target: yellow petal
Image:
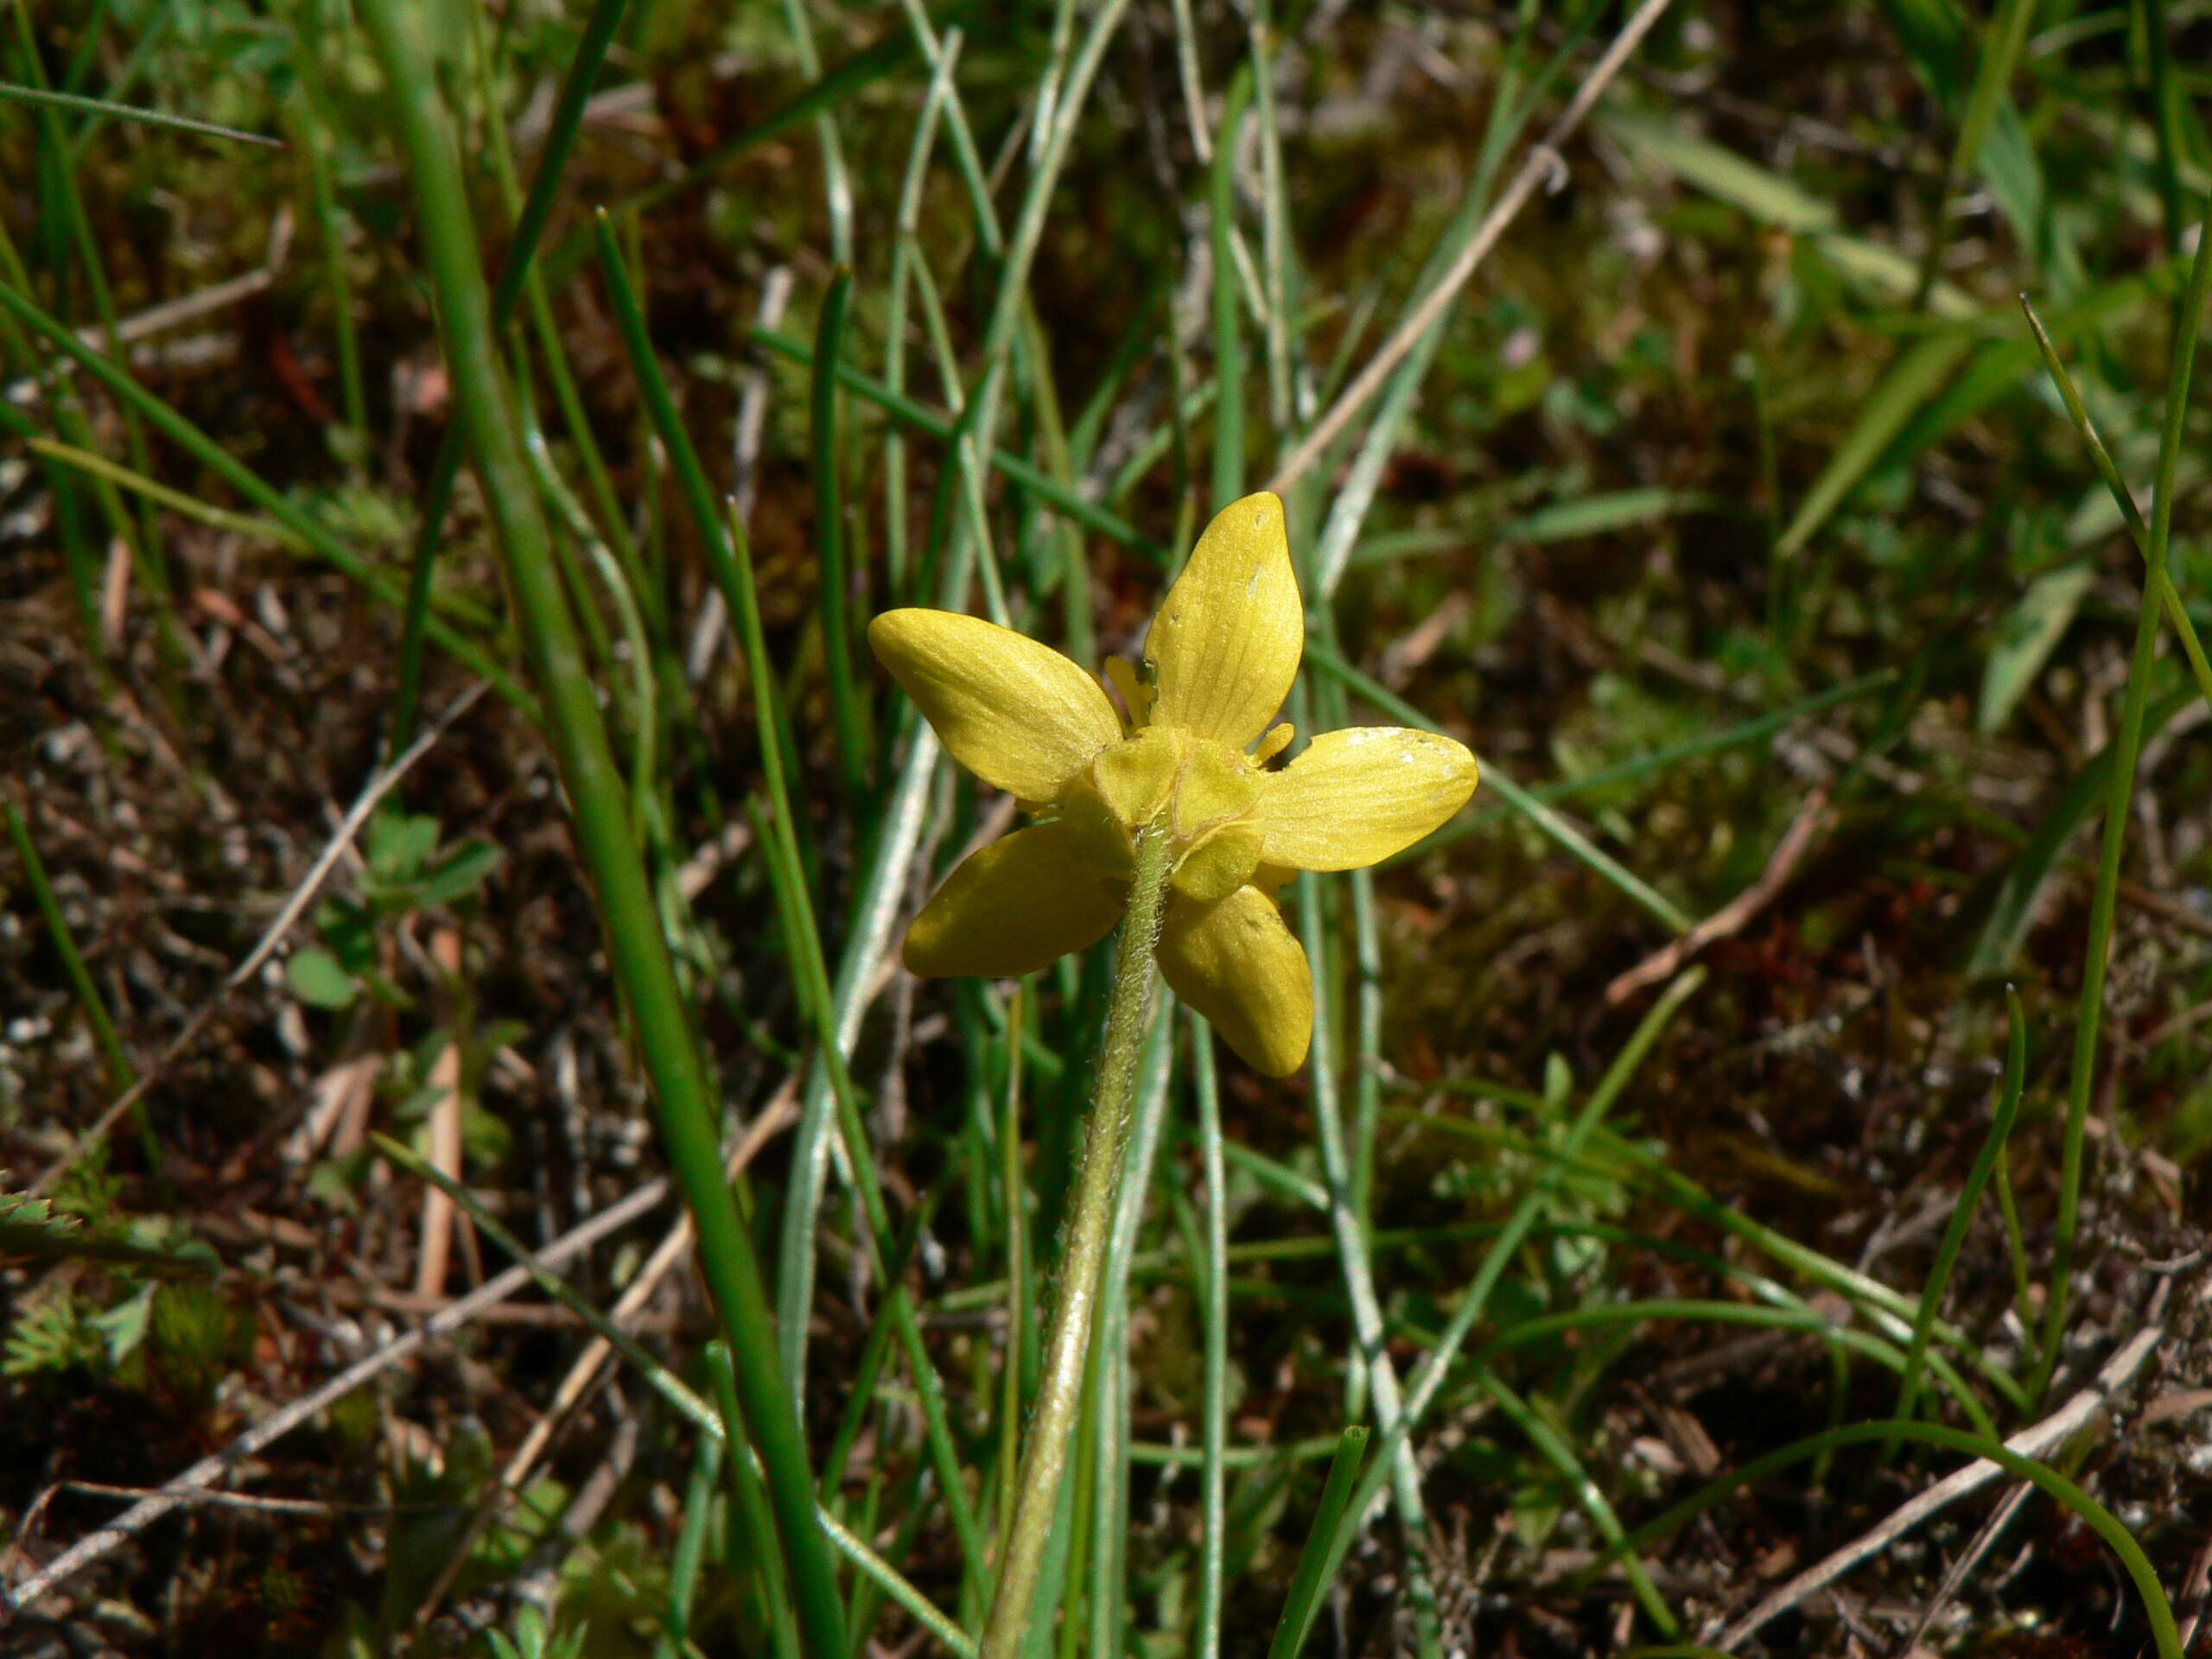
<point>1224,647</point>
<point>1016,713</point>
<point>1357,796</point>
<point>1238,965</point>
<point>1019,905</point>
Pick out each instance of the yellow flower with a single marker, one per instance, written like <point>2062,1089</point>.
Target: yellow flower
<point>1190,761</point>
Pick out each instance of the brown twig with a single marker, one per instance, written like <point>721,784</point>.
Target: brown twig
<point>281,1422</point>
<point>1666,963</point>
<point>294,907</point>
<point>1542,167</point>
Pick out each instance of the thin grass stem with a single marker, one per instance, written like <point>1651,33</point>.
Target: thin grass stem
<point>845,706</point>
<point>2119,809</point>
<point>2108,470</point>
<point>1955,1231</point>
<point>560,132</point>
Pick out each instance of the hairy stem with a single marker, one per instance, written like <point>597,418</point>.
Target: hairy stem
<point>1059,1393</point>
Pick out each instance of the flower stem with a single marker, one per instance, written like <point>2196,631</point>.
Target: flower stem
<point>1059,1394</point>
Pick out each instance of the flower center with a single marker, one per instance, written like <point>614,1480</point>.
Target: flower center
<point>1165,781</point>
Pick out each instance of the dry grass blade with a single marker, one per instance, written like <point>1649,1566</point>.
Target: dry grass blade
<point>1542,168</point>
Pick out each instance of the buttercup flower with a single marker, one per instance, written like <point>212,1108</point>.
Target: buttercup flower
<point>1191,760</point>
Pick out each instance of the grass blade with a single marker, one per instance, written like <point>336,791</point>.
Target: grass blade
<point>1954,1233</point>
<point>45,99</point>
<point>1318,1558</point>
<point>204,449</point>
<point>845,705</point>
<point>2123,498</point>
<point>507,292</point>
<point>636,949</point>
<point>2128,745</point>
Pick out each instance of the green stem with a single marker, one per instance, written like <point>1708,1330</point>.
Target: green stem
<point>637,953</point>
<point>1059,1392</point>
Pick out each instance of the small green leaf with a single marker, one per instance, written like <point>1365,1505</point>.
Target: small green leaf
<point>459,873</point>
<point>318,979</point>
<point>123,1327</point>
<point>397,844</point>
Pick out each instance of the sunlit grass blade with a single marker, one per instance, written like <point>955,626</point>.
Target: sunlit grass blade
<point>1651,765</point>
<point>315,537</point>
<point>1374,1375</point>
<point>689,1554</point>
<point>1554,1450</point>
<point>1319,1557</point>
<point>77,104</point>
<point>1474,1302</point>
<point>1213,1432</point>
<point>1889,1310</point>
<point>636,951</point>
<point>1793,1315</point>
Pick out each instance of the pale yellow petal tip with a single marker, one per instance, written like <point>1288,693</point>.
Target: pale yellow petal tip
<point>1280,1047</point>
<point>887,629</point>
<point>1260,512</point>
<point>1014,712</point>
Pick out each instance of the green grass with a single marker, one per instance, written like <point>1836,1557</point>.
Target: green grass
<point>1735,470</point>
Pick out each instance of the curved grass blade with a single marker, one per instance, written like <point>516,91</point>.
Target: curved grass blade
<point>2128,745</point>
<point>2108,470</point>
<point>2099,1519</point>
<point>1554,1450</point>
